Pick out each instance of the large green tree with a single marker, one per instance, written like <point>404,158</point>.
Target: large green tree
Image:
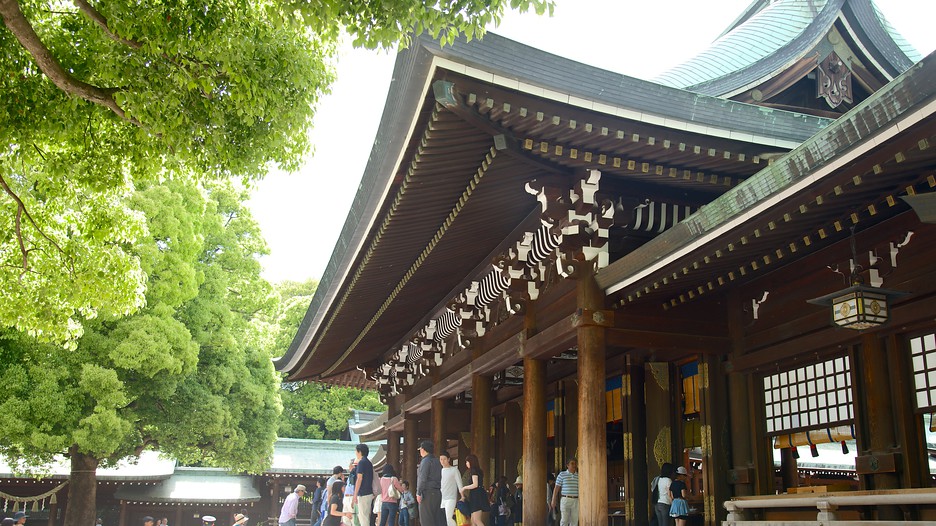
<point>96,97</point>
<point>184,375</point>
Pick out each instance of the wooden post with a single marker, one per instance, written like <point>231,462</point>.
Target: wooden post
<point>559,418</point>
<point>274,499</point>
<point>636,477</point>
<point>741,476</point>
<point>659,411</point>
<point>513,448</point>
<point>123,514</point>
<point>716,436</point>
<point>570,420</point>
<point>438,425</point>
<point>592,439</point>
<point>481,422</point>
<point>910,433</point>
<point>877,421</point>
<point>534,441</point>
<point>789,474</point>
<point>410,453</point>
<point>393,451</point>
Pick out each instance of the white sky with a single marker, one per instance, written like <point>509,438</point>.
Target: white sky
<point>302,214</point>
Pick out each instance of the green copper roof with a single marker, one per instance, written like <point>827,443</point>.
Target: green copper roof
<point>764,33</point>
<point>901,42</point>
<point>771,35</point>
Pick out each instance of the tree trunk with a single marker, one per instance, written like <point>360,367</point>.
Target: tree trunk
<point>82,489</point>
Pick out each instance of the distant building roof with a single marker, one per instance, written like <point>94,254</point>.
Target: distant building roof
<point>299,456</point>
<point>195,485</point>
<point>772,35</point>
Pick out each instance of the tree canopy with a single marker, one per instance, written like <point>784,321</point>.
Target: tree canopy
<point>99,97</point>
<point>187,374</point>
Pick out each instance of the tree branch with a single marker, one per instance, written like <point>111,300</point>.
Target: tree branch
<point>20,212</point>
<point>16,22</point>
<point>101,21</point>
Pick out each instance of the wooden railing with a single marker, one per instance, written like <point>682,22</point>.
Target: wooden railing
<point>831,509</point>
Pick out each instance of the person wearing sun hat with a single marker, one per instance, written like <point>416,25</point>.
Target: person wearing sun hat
<point>19,518</point>
<point>239,519</point>
<point>517,514</point>
<point>679,510</point>
<point>291,506</point>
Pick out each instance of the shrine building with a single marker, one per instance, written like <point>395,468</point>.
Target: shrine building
<point>729,268</point>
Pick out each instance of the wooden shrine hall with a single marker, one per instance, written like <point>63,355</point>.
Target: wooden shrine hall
<point>546,259</point>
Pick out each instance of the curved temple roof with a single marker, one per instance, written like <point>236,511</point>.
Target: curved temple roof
<point>373,255</point>
<point>772,35</point>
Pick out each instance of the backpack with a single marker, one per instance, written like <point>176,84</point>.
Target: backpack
<point>655,490</point>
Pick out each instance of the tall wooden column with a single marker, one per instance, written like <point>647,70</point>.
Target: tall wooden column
<point>570,421</point>
<point>716,439</point>
<point>534,441</point>
<point>910,433</point>
<point>481,422</point>
<point>559,419</point>
<point>438,425</point>
<point>274,500</point>
<point>743,426</point>
<point>410,453</point>
<point>876,462</point>
<point>660,411</point>
<point>634,417</point>
<point>393,451</point>
<point>592,433</point>
<point>513,448</point>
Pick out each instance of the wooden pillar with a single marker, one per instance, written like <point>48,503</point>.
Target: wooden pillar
<point>463,449</point>
<point>393,451</point>
<point>570,406</point>
<point>274,500</point>
<point>438,425</point>
<point>716,438</point>
<point>910,433</point>
<point>789,473</point>
<point>636,475</point>
<point>178,516</point>
<point>743,427</point>
<point>513,448</point>
<point>481,422</point>
<point>876,418</point>
<point>534,441</point>
<point>592,439</point>
<point>660,411</point>
<point>559,418</point>
<point>123,514</point>
<point>410,453</point>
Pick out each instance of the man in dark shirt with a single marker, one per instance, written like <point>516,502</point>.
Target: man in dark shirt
<point>429,487</point>
<point>363,486</point>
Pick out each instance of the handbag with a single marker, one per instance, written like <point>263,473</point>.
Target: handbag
<point>392,491</point>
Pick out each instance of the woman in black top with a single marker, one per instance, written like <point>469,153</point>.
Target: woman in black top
<point>477,497</point>
<point>679,491</point>
<point>334,514</point>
